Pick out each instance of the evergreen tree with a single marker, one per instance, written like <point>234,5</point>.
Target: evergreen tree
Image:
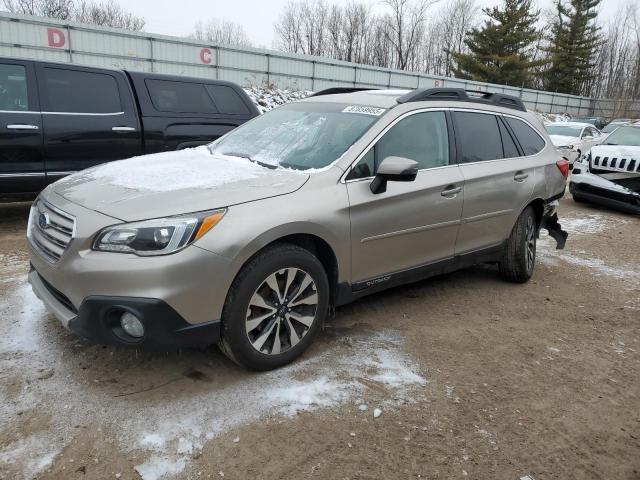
<point>500,51</point>
<point>574,43</point>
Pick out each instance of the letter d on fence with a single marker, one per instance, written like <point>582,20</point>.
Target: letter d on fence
<point>55,37</point>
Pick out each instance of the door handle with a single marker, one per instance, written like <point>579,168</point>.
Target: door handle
<point>520,176</point>
<point>451,191</point>
<point>123,129</point>
<point>19,126</point>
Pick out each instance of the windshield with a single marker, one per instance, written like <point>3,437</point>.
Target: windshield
<point>625,136</point>
<point>565,130</point>
<point>611,127</point>
<point>300,136</point>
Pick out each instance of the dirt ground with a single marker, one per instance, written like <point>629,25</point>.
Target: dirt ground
<point>472,377</point>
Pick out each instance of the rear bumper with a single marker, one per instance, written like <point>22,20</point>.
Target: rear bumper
<point>98,319</point>
<point>615,197</point>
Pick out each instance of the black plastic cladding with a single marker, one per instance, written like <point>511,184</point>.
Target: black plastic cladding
<point>461,95</point>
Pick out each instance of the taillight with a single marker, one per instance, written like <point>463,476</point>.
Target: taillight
<point>563,166</point>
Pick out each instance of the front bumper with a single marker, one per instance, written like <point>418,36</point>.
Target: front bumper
<point>98,319</point>
<point>173,293</point>
<point>593,188</point>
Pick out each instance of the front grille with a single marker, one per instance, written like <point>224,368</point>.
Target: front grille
<point>58,295</point>
<point>50,230</point>
<point>614,164</point>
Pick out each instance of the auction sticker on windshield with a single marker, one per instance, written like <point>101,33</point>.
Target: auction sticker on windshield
<point>365,110</point>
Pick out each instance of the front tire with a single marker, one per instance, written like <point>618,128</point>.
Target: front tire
<point>275,308</point>
<point>519,255</point>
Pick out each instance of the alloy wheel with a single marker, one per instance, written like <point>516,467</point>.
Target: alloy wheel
<point>281,311</point>
<point>530,243</point>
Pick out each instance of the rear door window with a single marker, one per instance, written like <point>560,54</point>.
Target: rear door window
<point>13,88</point>
<point>508,145</point>
<point>180,97</point>
<point>478,136</point>
<point>227,99</point>
<point>76,91</point>
<point>530,140</point>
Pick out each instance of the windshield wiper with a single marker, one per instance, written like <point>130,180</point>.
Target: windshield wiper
<point>244,155</point>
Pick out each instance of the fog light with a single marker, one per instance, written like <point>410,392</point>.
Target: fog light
<point>132,325</point>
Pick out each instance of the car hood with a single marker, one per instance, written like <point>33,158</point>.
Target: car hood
<point>563,140</point>
<point>616,151</point>
<point>174,183</point>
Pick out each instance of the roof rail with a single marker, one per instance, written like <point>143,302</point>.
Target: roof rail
<point>461,95</point>
<point>337,90</point>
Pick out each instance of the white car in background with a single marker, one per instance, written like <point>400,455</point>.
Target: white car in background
<point>573,139</point>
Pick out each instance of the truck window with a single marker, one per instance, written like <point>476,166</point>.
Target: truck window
<point>76,91</point>
<point>13,88</point>
<point>227,99</point>
<point>180,97</point>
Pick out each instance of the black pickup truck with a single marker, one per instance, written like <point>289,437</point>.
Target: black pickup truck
<point>56,119</point>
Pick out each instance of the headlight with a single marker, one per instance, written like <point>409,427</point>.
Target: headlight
<point>566,147</point>
<point>157,237</point>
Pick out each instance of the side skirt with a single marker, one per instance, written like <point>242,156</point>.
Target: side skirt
<point>347,292</point>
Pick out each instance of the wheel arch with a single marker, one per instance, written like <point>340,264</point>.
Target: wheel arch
<point>311,240</point>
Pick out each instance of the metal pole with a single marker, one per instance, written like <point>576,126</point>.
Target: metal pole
<point>69,40</point>
<point>151,54</point>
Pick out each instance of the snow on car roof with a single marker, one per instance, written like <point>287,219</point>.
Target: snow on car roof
<point>375,98</point>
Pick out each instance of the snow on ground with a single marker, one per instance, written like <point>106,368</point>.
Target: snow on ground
<point>166,434</point>
<point>552,117</point>
<point>589,224</point>
<point>267,98</point>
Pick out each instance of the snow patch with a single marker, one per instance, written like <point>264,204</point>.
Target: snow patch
<point>158,467</point>
<point>267,98</point>
<point>167,433</point>
<point>171,171</point>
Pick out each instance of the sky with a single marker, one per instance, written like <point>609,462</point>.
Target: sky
<point>256,16</point>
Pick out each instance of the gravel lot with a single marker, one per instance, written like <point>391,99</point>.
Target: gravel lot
<point>471,378</point>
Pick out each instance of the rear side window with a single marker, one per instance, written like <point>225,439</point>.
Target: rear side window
<point>80,92</point>
<point>478,136</point>
<point>227,99</point>
<point>530,141</point>
<point>180,97</point>
<point>508,145</point>
<point>13,88</point>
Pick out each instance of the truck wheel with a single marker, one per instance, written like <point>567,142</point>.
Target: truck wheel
<point>274,308</point>
<point>519,255</point>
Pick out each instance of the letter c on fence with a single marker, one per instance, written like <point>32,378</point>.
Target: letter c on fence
<point>55,37</point>
<point>205,55</point>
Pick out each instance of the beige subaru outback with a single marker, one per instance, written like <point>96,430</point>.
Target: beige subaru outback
<point>249,241</point>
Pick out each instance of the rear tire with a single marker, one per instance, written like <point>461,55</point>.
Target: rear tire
<point>275,308</point>
<point>577,199</point>
<point>519,255</point>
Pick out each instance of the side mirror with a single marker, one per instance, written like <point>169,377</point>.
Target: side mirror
<point>395,169</point>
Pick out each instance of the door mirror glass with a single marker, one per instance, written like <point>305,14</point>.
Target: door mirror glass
<point>395,169</point>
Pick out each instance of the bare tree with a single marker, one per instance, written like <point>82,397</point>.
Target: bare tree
<point>107,14</point>
<point>406,28</point>
<point>60,9</point>
<point>223,32</point>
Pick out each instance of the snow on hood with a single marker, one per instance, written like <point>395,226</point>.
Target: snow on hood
<point>616,151</point>
<point>173,183</point>
<point>563,140</point>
